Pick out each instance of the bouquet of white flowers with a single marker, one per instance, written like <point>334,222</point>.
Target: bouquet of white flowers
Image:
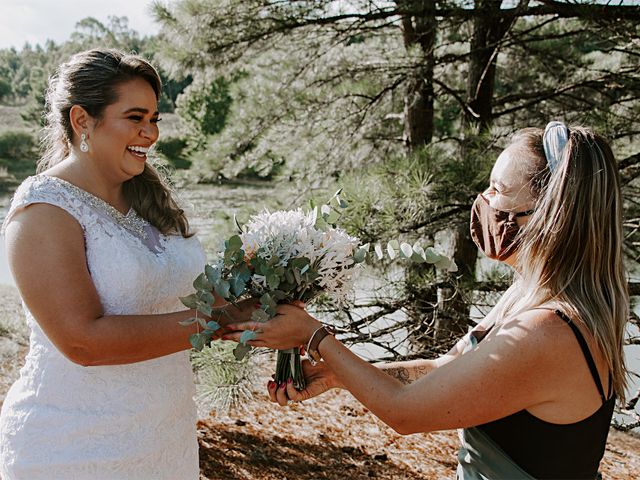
<point>284,256</point>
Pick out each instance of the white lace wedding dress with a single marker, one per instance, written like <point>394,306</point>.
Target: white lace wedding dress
<point>61,420</point>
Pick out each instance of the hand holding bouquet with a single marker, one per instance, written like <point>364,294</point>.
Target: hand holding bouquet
<point>287,256</point>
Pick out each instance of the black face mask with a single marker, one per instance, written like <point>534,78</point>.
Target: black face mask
<point>495,232</point>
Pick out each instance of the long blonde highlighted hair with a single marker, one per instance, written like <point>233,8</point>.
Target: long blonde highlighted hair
<point>571,251</point>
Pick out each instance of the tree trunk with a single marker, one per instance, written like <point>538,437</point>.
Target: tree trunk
<point>419,31</point>
<point>489,28</point>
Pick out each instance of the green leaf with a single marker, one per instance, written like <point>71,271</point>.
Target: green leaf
<point>237,286</point>
<point>197,341</point>
<point>417,258</point>
<point>222,288</point>
<point>406,250</point>
<point>234,243</point>
<point>241,351</point>
<point>202,322</point>
<point>206,297</point>
<point>333,217</point>
<point>202,283</point>
<point>391,251</point>
<point>267,300</point>
<point>378,250</point>
<point>260,315</point>
<point>213,274</point>
<point>191,301</point>
<point>247,336</point>
<point>360,255</point>
<point>273,281</point>
<point>213,326</point>
<point>205,309</point>
<point>188,321</point>
<point>431,256</point>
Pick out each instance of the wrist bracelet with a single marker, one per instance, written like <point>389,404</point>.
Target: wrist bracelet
<point>314,342</point>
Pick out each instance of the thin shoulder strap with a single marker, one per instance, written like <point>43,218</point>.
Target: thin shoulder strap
<point>586,352</point>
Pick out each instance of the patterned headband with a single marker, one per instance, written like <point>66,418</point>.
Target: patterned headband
<point>556,136</point>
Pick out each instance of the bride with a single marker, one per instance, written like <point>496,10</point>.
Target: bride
<point>100,253</point>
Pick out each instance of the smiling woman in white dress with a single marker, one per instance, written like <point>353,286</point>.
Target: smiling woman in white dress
<point>100,252</point>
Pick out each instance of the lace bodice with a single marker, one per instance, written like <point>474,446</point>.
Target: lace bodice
<point>136,421</point>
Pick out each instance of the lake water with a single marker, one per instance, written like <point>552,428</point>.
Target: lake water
<point>211,212</point>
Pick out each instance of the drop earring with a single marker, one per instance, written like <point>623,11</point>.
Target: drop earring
<point>84,147</point>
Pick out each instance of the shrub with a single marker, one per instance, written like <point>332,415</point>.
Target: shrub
<point>173,150</point>
<point>18,151</point>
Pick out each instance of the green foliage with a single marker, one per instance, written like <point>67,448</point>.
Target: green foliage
<point>222,382</point>
<point>5,89</point>
<point>173,150</point>
<point>204,107</point>
<point>18,153</point>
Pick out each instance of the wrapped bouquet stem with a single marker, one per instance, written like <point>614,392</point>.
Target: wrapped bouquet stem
<point>284,256</point>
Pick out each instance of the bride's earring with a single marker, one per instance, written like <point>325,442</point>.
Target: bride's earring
<point>84,147</point>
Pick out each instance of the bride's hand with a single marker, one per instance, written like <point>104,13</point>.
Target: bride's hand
<point>290,328</point>
<point>319,379</point>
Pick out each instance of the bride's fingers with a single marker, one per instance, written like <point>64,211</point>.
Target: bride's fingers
<point>244,326</point>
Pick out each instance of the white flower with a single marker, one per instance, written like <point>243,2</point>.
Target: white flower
<point>286,235</point>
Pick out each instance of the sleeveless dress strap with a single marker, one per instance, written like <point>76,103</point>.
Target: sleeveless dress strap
<point>586,352</point>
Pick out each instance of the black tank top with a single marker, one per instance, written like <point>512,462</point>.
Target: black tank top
<point>554,451</point>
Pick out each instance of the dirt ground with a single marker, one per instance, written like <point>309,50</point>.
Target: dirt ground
<point>331,437</point>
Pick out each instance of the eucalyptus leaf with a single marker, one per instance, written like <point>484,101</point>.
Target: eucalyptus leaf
<point>333,217</point>
<point>234,243</point>
<point>197,341</point>
<point>390,251</point>
<point>204,308</point>
<point>202,322</point>
<point>222,288</point>
<point>360,255</point>
<point>212,273</point>
<point>241,351</point>
<point>206,297</point>
<point>247,336</point>
<point>417,258</point>
<point>237,286</point>
<point>260,315</point>
<point>406,249</point>
<point>431,256</point>
<point>213,325</point>
<point>267,299</point>
<point>190,301</point>
<point>188,321</point>
<point>202,283</point>
<point>273,281</point>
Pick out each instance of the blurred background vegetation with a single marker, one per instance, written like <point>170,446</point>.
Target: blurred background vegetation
<point>405,104</point>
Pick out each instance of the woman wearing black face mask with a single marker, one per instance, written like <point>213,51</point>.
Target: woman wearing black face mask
<point>532,386</point>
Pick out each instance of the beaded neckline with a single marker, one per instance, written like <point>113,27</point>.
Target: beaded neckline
<point>131,221</point>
